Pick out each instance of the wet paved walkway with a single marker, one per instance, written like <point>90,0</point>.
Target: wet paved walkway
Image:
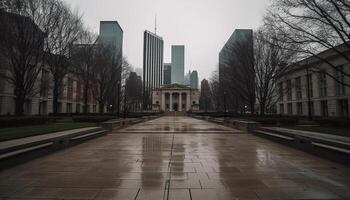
<point>208,161</point>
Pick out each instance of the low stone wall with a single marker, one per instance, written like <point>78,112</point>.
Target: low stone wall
<point>243,125</point>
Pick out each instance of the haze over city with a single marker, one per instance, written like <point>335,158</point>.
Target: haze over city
<point>202,26</point>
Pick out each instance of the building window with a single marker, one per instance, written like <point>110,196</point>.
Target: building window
<point>94,108</point>
<point>281,109</point>
<point>339,86</point>
<point>290,108</point>
<point>324,108</point>
<point>78,92</point>
<point>157,102</point>
<point>323,84</point>
<point>310,86</point>
<point>343,108</point>
<point>69,108</point>
<point>167,106</point>
<point>70,89</point>
<point>300,108</point>
<point>183,106</point>
<point>289,90</point>
<point>298,91</point>
<point>193,102</point>
<point>280,91</point>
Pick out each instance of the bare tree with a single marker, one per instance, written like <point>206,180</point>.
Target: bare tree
<point>83,58</point>
<point>215,88</point>
<point>205,100</point>
<point>62,31</point>
<point>238,84</point>
<point>271,58</point>
<point>133,91</point>
<point>22,44</point>
<point>315,25</point>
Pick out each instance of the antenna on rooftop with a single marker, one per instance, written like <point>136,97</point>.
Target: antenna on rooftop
<point>155,28</point>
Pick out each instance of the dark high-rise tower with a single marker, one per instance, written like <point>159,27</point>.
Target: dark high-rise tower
<point>152,65</point>
<point>167,74</point>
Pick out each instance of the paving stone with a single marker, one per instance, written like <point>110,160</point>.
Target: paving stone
<point>207,160</point>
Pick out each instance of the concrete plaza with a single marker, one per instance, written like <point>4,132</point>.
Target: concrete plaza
<point>181,158</point>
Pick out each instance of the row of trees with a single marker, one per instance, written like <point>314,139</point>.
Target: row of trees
<point>37,35</point>
<point>291,30</point>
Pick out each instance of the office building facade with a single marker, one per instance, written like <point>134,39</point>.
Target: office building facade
<point>152,66</point>
<point>177,64</point>
<point>236,72</point>
<point>194,80</point>
<point>167,74</point>
<point>308,89</point>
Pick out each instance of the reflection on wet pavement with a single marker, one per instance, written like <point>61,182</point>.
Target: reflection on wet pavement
<point>207,161</point>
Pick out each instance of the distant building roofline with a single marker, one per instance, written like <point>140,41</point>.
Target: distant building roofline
<point>153,34</point>
<point>114,22</point>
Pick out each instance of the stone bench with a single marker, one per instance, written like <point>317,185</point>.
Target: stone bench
<point>119,123</point>
<point>326,145</point>
<point>51,141</point>
<point>243,125</point>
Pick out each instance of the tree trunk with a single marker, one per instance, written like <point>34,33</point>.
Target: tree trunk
<point>101,107</point>
<point>19,107</point>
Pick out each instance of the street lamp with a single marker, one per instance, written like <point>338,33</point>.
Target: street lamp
<point>124,101</point>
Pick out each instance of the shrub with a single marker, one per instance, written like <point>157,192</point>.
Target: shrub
<point>25,121</point>
<point>334,122</point>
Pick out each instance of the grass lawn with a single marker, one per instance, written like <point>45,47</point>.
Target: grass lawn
<point>26,131</point>
<point>323,129</point>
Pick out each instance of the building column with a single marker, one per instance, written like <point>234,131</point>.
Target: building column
<point>188,98</point>
<point>171,101</point>
<point>163,101</point>
<point>180,102</point>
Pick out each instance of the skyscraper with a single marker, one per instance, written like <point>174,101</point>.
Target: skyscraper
<point>152,65</point>
<point>236,71</point>
<point>167,73</point>
<point>194,80</point>
<point>111,36</point>
<point>187,80</point>
<point>177,64</point>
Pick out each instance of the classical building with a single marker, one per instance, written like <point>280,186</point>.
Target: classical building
<point>313,87</point>
<point>175,97</point>
<point>177,64</point>
<point>152,65</point>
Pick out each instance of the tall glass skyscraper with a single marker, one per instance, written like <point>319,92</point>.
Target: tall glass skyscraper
<point>152,65</point>
<point>177,64</point>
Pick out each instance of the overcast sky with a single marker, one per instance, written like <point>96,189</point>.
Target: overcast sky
<point>203,26</point>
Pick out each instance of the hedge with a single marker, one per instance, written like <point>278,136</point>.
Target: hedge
<point>25,121</point>
<point>333,122</point>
